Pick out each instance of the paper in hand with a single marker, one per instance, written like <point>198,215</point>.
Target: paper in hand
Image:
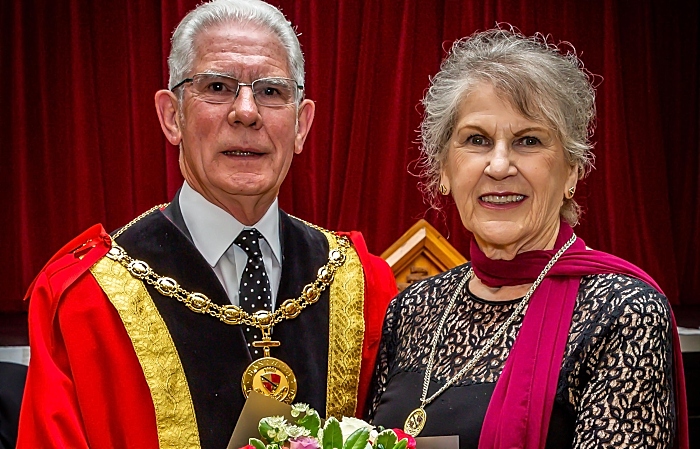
<point>256,407</point>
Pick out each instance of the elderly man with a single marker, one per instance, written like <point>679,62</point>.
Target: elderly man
<point>155,335</point>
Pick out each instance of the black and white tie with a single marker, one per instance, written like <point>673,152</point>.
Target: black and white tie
<point>254,290</point>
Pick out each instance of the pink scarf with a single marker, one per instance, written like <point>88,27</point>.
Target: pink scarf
<point>520,408</point>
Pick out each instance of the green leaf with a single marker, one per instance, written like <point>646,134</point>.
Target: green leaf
<point>264,428</point>
<point>257,444</point>
<point>357,440</point>
<point>387,438</point>
<point>332,435</point>
<point>401,444</point>
<point>311,422</point>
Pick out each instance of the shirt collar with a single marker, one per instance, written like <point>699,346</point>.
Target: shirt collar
<point>201,217</point>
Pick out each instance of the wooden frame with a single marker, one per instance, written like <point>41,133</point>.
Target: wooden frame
<point>421,252</point>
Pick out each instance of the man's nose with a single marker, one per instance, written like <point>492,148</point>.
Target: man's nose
<point>245,109</point>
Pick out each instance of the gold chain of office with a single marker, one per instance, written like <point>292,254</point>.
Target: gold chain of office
<point>231,314</point>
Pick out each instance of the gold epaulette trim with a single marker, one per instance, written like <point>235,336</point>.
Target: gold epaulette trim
<point>345,334</point>
<point>155,349</point>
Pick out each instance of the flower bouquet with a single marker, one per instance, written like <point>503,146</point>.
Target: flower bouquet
<point>308,432</point>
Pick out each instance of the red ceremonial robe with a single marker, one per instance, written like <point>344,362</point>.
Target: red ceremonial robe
<point>86,386</point>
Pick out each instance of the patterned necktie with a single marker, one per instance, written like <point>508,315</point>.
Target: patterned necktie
<point>254,290</point>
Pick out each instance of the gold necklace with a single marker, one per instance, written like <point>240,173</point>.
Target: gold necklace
<point>268,375</point>
<point>417,418</point>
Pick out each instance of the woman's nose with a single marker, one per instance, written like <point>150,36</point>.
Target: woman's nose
<point>500,164</point>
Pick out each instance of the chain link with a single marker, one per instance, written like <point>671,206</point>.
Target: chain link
<point>499,332</point>
<point>231,314</point>
<point>129,224</point>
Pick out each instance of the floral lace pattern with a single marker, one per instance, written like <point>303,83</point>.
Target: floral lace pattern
<point>616,376</point>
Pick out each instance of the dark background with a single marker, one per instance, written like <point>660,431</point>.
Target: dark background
<point>83,143</point>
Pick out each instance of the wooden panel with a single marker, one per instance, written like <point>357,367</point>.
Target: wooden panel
<point>421,252</point>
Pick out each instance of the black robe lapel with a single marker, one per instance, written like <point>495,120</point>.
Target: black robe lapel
<point>174,214</point>
<point>213,354</point>
<point>305,338</point>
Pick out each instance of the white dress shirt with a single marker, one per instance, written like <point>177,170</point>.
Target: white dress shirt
<point>213,231</point>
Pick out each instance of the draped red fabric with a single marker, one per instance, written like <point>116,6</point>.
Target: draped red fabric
<point>85,145</point>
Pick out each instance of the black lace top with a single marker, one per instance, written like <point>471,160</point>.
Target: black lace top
<point>615,386</point>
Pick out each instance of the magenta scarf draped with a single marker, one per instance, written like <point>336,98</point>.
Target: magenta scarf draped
<point>520,408</point>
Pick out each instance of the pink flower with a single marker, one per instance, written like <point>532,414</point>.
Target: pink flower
<point>304,443</point>
<point>401,435</point>
<point>248,446</point>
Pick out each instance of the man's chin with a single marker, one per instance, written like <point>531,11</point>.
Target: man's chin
<point>249,191</point>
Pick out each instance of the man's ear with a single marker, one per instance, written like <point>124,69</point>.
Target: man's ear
<point>307,110</point>
<point>168,115</point>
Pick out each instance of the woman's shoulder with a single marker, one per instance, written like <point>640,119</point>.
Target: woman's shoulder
<point>438,282</point>
<point>429,290</point>
<point>622,297</point>
<point>619,285</point>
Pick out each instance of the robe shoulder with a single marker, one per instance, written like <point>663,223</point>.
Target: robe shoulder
<point>380,289</point>
<point>73,260</point>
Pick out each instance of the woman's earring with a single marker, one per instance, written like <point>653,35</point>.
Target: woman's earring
<point>572,190</point>
<point>443,189</point>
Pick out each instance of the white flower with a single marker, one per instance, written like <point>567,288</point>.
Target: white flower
<point>299,408</point>
<point>274,428</point>
<point>275,422</point>
<point>348,425</point>
<point>297,431</point>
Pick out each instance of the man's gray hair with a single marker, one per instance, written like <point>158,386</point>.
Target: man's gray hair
<point>219,12</point>
<point>541,82</point>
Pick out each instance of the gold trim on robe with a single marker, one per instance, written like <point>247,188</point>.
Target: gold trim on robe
<point>346,331</point>
<point>155,349</point>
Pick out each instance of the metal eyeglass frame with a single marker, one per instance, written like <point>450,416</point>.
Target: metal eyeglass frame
<point>239,84</point>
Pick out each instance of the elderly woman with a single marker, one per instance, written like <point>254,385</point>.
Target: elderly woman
<point>539,341</point>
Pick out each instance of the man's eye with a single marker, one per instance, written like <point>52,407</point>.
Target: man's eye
<point>270,91</point>
<point>218,86</point>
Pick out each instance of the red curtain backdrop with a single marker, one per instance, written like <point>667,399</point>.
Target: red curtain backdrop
<point>83,144</point>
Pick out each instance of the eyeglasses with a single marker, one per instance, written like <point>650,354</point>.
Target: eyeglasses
<point>220,89</point>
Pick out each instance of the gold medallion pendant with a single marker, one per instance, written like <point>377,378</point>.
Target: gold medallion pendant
<point>270,377</point>
<point>415,422</point>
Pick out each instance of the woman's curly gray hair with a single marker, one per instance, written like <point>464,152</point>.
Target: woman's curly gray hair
<point>541,83</point>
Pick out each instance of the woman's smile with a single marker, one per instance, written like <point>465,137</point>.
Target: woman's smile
<point>507,173</point>
<point>501,200</point>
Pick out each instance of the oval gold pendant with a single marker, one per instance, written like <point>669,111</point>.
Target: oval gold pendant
<point>270,377</point>
<point>415,422</point>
